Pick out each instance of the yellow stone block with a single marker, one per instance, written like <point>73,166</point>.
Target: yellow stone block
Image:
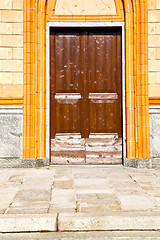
<point>157,4</point>
<point>11,78</point>
<point>5,53</point>
<point>5,28</point>
<point>152,77</point>
<point>17,4</point>
<point>11,16</point>
<point>158,78</point>
<point>18,53</point>
<point>154,65</point>
<point>151,53</point>
<point>6,4</point>
<point>154,40</point>
<point>158,53</point>
<point>5,78</point>
<point>17,28</point>
<point>11,90</point>
<point>157,28</point>
<point>154,16</point>
<point>11,65</point>
<point>151,28</point>
<point>17,78</point>
<point>154,90</point>
<point>151,4</point>
<point>11,40</point>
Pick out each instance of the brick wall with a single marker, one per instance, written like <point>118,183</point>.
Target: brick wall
<point>11,48</point>
<point>154,47</point>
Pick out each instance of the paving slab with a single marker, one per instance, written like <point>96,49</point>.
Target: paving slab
<point>136,203</point>
<point>90,197</point>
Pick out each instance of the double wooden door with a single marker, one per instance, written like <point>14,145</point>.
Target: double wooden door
<point>85,103</point>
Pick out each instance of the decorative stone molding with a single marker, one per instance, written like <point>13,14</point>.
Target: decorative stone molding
<point>135,15</point>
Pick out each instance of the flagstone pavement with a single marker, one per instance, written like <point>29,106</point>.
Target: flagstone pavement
<point>79,189</point>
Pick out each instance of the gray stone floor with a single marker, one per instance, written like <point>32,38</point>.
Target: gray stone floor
<point>79,189</point>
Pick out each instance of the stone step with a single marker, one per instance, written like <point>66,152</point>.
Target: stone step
<point>118,221</point>
<point>113,221</point>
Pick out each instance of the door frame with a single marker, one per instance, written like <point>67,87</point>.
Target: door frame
<point>92,25</point>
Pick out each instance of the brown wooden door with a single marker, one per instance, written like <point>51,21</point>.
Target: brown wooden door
<point>85,77</point>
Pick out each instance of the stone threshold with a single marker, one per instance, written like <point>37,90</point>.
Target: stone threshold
<point>126,221</point>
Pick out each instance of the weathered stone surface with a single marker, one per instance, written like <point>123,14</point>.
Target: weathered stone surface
<point>27,210</point>
<point>121,221</point>
<point>154,132</point>
<point>136,203</point>
<point>29,204</point>
<point>98,207</point>
<point>91,183</point>
<point>89,176</point>
<point>63,184</point>
<point>137,163</point>
<point>121,191</point>
<point>28,223</point>
<point>32,195</point>
<point>95,235</point>
<point>62,209</point>
<point>16,162</point>
<point>11,135</point>
<point>156,163</point>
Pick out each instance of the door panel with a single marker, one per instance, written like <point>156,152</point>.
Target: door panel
<point>68,116</point>
<point>85,67</point>
<point>103,116</point>
<point>68,62</point>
